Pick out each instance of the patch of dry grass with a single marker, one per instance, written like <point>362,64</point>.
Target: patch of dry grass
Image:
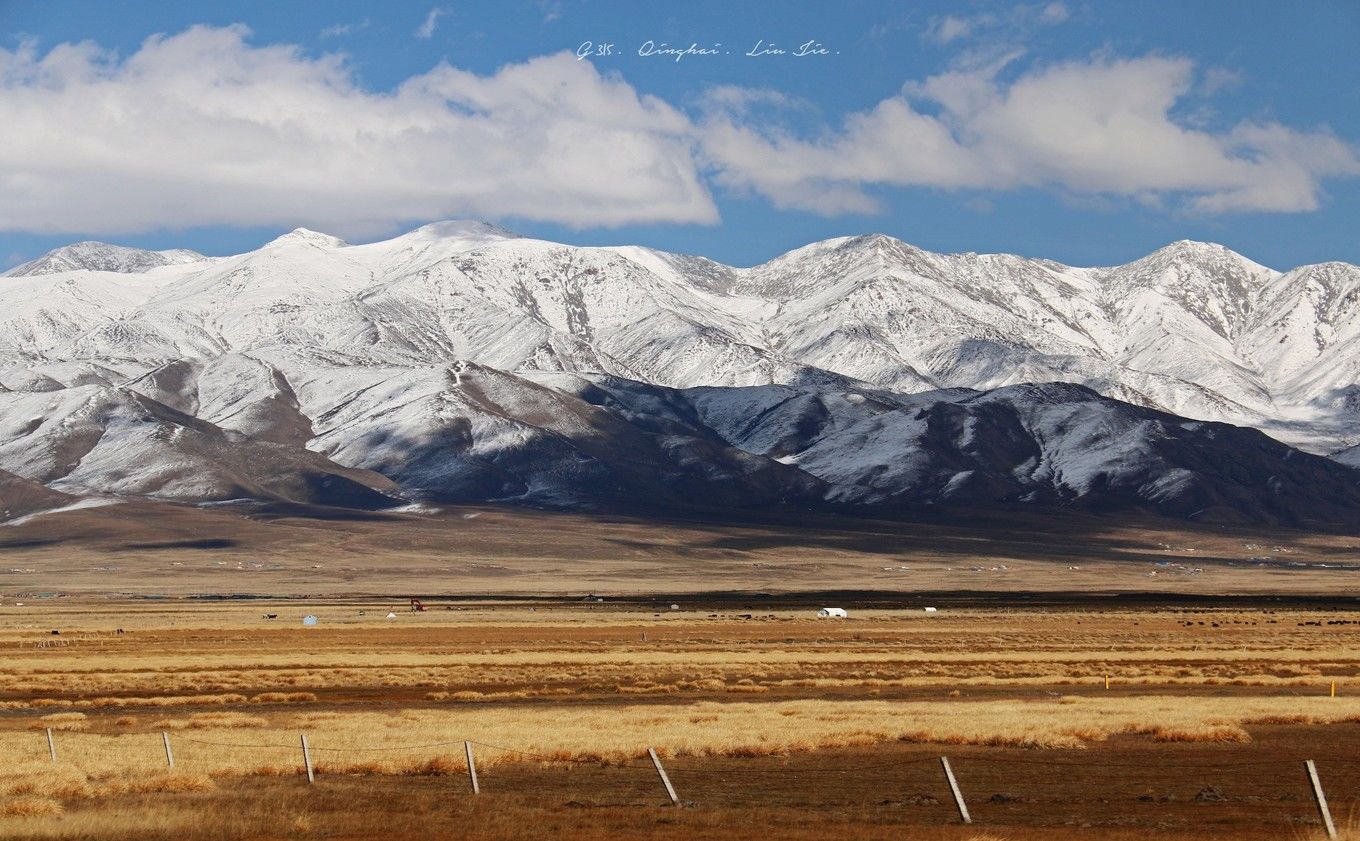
<point>71,722</point>
<point>1219,733</point>
<point>212,721</point>
<point>283,698</point>
<point>125,702</point>
<point>30,807</point>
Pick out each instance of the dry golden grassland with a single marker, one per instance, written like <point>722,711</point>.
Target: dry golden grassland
<point>570,692</point>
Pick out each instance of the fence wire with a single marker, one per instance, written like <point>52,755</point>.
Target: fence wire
<point>783,760</point>
<point>801,780</point>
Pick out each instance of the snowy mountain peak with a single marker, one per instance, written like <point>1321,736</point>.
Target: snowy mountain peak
<point>1211,284</point>
<point>1192,256</point>
<point>1194,251</point>
<point>1196,246</point>
<point>875,244</point>
<point>876,240</point>
<point>304,236</point>
<point>463,229</point>
<point>103,257</point>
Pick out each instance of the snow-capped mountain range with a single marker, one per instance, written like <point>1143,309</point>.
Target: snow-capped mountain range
<point>460,361</point>
<point>102,257</point>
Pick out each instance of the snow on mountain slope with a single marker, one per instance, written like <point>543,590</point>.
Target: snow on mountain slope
<point>46,315</point>
<point>1179,311</point>
<point>463,432</point>
<point>1159,331</point>
<point>645,325</point>
<point>1053,443</point>
<point>114,441</point>
<point>1305,338</point>
<point>100,256</point>
<point>1216,287</point>
<point>233,391</point>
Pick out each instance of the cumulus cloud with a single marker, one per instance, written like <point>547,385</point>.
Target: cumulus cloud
<point>1100,127</point>
<point>204,128</point>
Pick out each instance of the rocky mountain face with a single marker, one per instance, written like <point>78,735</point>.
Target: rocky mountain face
<point>460,362</point>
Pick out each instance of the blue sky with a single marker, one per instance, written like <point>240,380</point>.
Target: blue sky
<point>1087,132</point>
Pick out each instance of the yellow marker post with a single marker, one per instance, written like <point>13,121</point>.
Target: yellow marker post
<point>1107,681</point>
<point>1333,689</point>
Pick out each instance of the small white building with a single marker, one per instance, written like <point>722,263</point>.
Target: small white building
<point>832,613</point>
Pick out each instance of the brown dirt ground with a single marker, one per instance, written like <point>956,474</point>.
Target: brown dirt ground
<point>1127,789</point>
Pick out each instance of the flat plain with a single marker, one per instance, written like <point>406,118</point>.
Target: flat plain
<point>762,714</point>
<point>157,549</point>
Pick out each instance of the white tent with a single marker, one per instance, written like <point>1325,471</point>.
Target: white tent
<point>309,620</point>
<point>831,613</point>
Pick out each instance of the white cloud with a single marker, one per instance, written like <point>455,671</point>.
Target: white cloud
<point>203,128</point>
<point>427,28</point>
<point>1099,128</point>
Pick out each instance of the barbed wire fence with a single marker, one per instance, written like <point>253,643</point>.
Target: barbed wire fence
<point>689,779</point>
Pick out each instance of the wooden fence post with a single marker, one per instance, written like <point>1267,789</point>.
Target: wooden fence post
<point>169,754</point>
<point>51,745</point>
<point>665,781</point>
<point>1320,799</point>
<point>472,768</point>
<point>954,788</point>
<point>307,760</point>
